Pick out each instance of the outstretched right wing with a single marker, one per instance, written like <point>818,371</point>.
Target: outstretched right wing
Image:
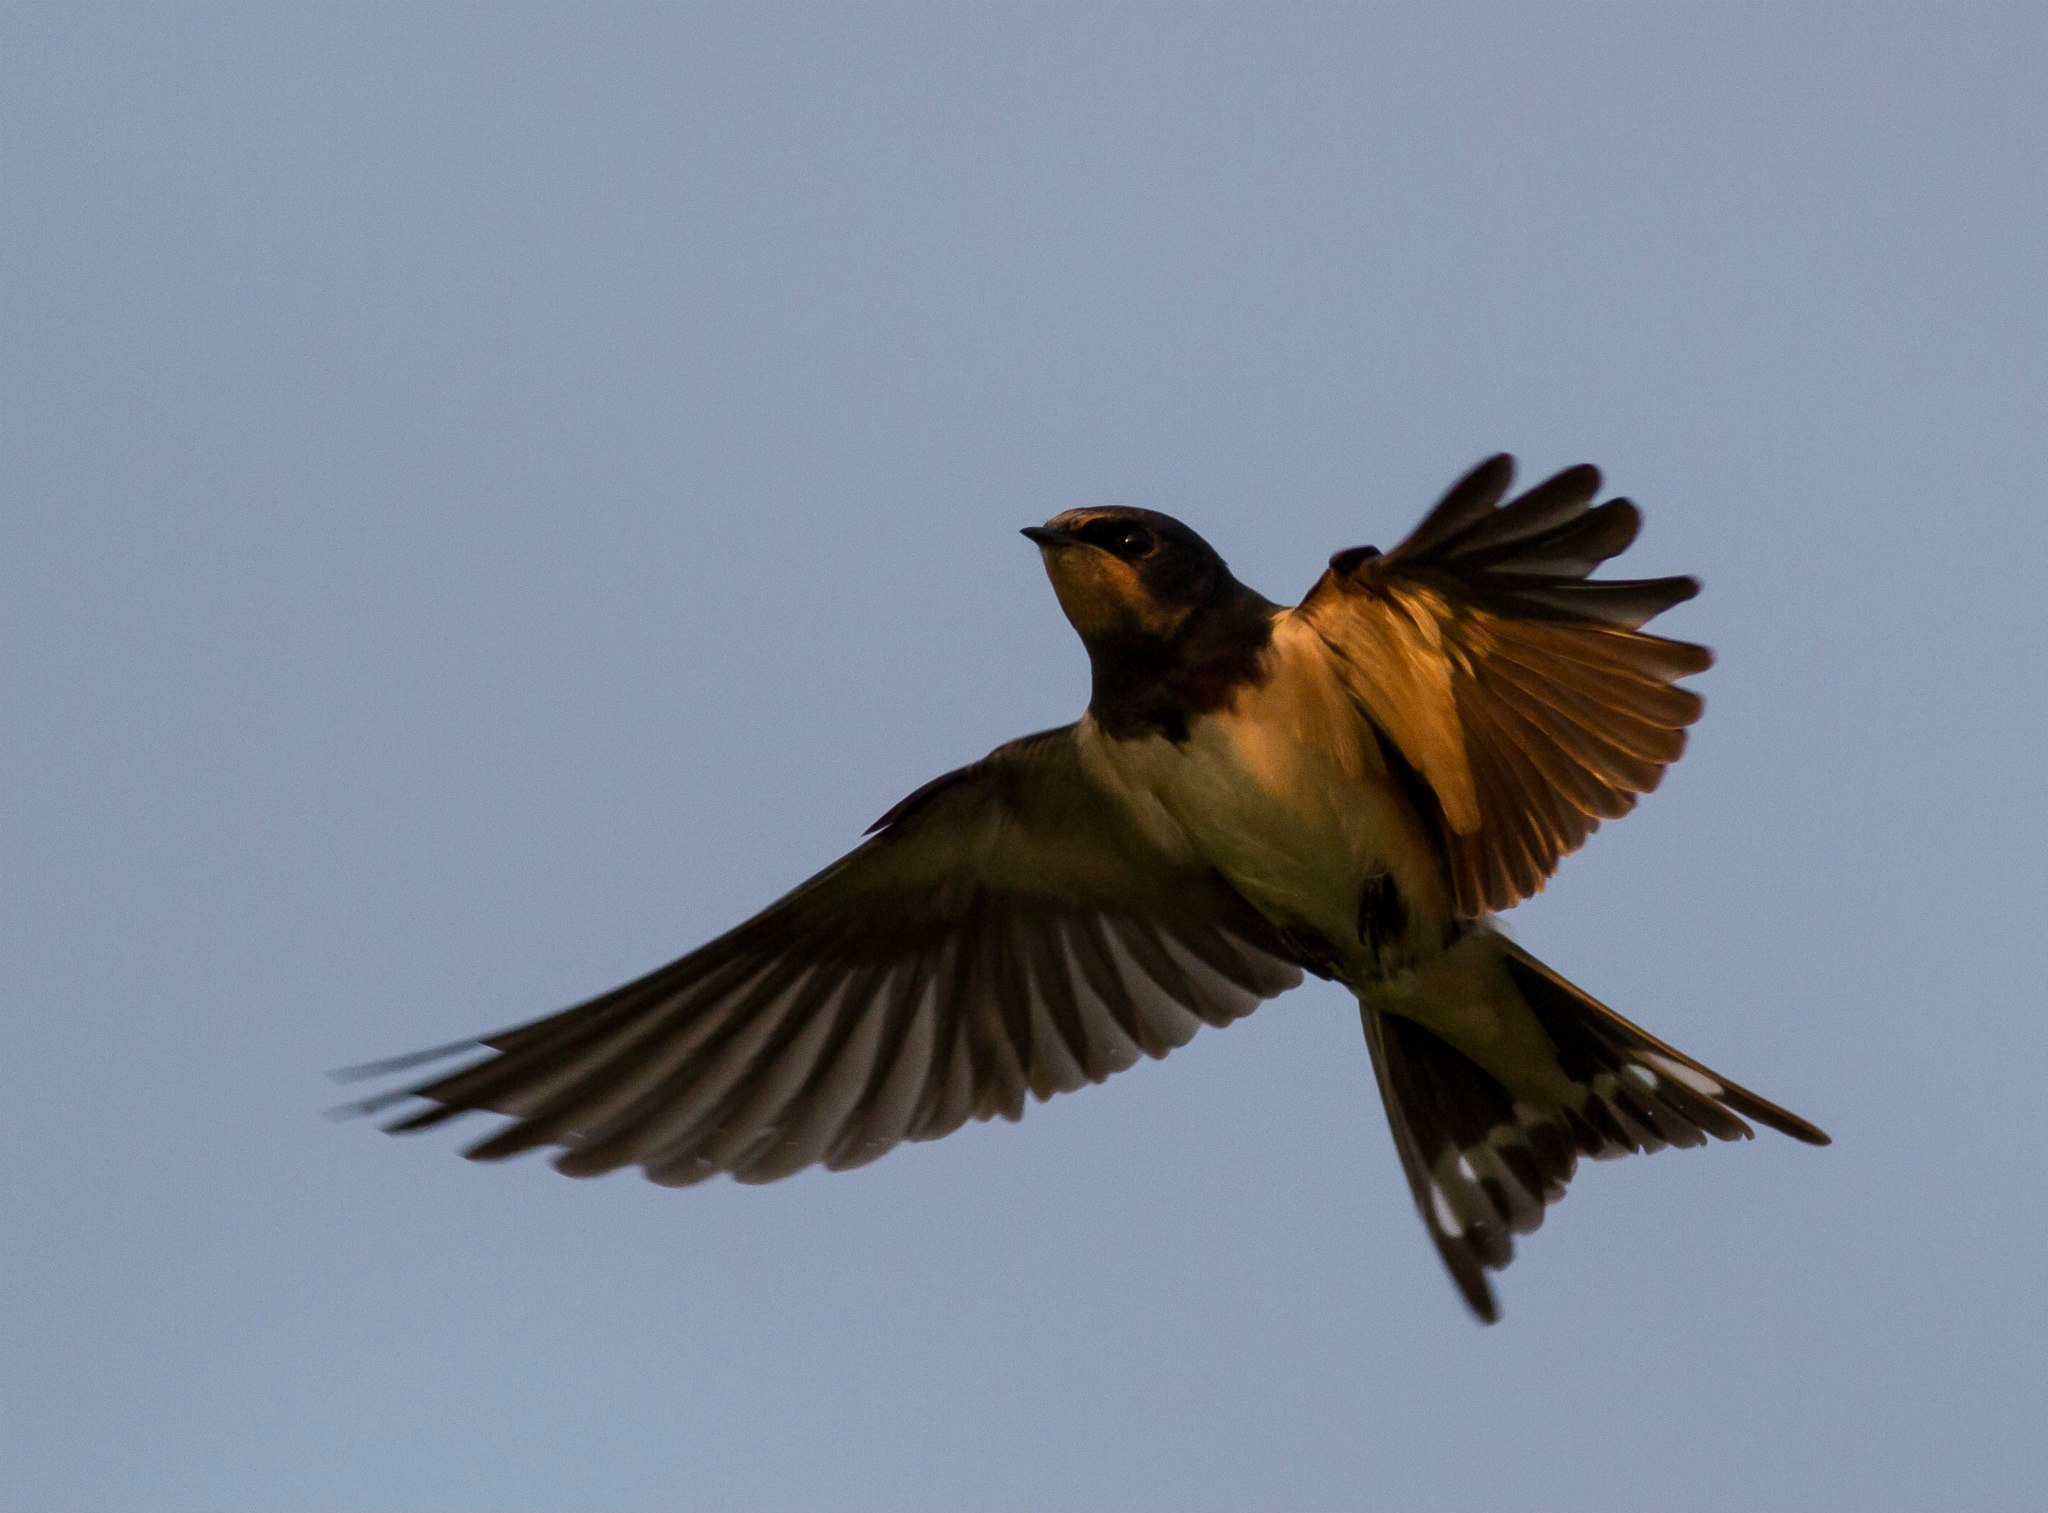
<point>1522,692</point>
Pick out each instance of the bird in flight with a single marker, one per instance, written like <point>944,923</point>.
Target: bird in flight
<point>1351,788</point>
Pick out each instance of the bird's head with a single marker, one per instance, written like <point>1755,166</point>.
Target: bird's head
<point>1126,575</point>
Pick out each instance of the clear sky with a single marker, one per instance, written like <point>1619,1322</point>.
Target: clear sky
<point>493,495</point>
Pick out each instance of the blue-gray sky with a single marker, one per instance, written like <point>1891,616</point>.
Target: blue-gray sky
<point>494,494</point>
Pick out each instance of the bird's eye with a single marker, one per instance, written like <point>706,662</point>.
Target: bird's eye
<point>1120,538</point>
<point>1131,542</point>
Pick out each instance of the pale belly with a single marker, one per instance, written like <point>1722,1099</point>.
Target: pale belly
<point>1277,794</point>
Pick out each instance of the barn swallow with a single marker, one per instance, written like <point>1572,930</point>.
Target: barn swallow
<point>1351,787</point>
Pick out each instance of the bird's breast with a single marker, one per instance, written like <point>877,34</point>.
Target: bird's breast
<point>1283,791</point>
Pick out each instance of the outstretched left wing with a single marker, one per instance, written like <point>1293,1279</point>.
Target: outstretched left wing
<point>1008,932</point>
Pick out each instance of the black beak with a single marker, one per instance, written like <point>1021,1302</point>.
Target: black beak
<point>1045,535</point>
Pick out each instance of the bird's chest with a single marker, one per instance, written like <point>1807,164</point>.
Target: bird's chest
<point>1278,795</point>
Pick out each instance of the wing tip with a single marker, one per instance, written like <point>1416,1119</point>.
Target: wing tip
<point>377,1103</point>
<point>1580,477</point>
<point>365,1071</point>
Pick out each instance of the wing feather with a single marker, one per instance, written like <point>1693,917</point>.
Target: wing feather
<point>882,1120</point>
<point>1551,503</point>
<point>1007,935</point>
<point>1523,693</point>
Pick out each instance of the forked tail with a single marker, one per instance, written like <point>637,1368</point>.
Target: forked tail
<point>1487,1151</point>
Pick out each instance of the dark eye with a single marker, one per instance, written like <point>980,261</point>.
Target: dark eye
<point>1120,538</point>
<point>1129,541</point>
<point>1132,541</point>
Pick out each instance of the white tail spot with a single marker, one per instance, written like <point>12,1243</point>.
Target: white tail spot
<point>1441,1207</point>
<point>1678,1071</point>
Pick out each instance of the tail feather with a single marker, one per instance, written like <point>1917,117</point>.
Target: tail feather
<point>1484,1165</point>
<point>1591,1038</point>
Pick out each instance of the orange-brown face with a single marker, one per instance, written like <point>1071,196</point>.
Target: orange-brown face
<point>1127,574</point>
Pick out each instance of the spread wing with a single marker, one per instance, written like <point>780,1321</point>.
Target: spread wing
<point>1522,693</point>
<point>1005,932</point>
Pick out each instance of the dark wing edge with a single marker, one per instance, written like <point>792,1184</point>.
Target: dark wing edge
<point>992,944</point>
<point>1562,711</point>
